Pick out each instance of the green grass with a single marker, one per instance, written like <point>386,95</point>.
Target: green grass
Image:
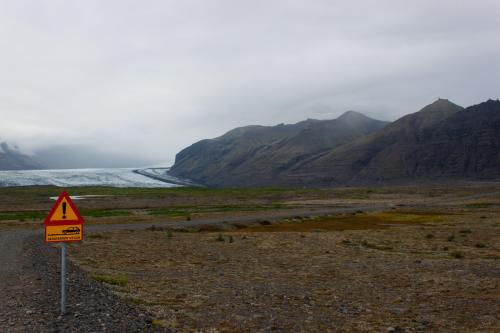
<point>46,191</point>
<point>273,194</point>
<point>22,216</point>
<point>104,212</point>
<point>159,323</point>
<point>40,215</point>
<point>30,192</point>
<point>115,280</point>
<point>171,211</point>
<point>97,235</point>
<point>457,255</point>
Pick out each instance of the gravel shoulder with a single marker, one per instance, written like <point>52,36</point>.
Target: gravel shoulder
<point>29,283</point>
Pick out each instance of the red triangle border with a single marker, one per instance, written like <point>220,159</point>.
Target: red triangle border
<point>63,195</point>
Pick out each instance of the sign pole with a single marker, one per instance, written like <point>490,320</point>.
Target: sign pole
<point>63,224</point>
<point>63,278</point>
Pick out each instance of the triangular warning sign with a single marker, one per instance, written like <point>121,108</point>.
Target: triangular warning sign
<point>64,212</point>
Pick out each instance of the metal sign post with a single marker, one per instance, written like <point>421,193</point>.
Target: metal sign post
<point>63,278</point>
<point>63,224</point>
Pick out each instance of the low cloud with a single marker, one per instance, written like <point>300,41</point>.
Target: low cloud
<point>149,78</point>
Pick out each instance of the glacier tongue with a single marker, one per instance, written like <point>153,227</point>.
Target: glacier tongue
<point>114,177</point>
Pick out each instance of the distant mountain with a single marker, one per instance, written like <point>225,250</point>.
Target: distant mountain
<point>262,154</point>
<point>443,141</point>
<point>65,157</point>
<point>12,159</point>
<point>80,157</point>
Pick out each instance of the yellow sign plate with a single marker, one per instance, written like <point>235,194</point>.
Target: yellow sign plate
<point>64,212</point>
<point>64,233</point>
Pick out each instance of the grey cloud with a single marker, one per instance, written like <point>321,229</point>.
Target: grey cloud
<point>148,78</point>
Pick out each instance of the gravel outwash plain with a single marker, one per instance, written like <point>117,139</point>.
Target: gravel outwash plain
<point>385,259</point>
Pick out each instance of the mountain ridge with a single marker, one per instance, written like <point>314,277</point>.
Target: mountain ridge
<point>257,150</point>
<point>12,159</point>
<point>344,151</point>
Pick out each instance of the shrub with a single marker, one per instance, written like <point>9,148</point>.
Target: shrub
<point>457,255</point>
<point>155,228</point>
<point>116,280</point>
<point>209,228</point>
<point>239,225</point>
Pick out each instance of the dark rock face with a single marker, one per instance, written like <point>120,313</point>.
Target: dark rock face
<point>208,161</point>
<point>257,155</point>
<point>384,156</point>
<point>454,144</point>
<point>442,141</point>
<point>12,159</point>
<point>467,145</point>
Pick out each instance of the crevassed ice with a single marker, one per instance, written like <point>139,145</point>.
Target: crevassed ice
<point>115,177</point>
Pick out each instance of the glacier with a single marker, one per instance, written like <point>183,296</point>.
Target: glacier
<point>113,177</point>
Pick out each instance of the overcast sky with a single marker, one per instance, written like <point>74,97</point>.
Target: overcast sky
<point>148,78</point>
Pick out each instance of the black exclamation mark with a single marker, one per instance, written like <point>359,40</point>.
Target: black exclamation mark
<point>64,210</point>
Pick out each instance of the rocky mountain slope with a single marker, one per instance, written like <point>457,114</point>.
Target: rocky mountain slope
<point>385,155</point>
<point>443,141</point>
<point>261,154</point>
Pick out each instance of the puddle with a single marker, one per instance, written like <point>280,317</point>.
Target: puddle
<point>81,197</point>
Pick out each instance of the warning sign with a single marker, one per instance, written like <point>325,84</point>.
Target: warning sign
<point>63,233</point>
<point>64,223</point>
<point>64,212</point>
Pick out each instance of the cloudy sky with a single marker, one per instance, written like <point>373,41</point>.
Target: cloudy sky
<point>147,78</point>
